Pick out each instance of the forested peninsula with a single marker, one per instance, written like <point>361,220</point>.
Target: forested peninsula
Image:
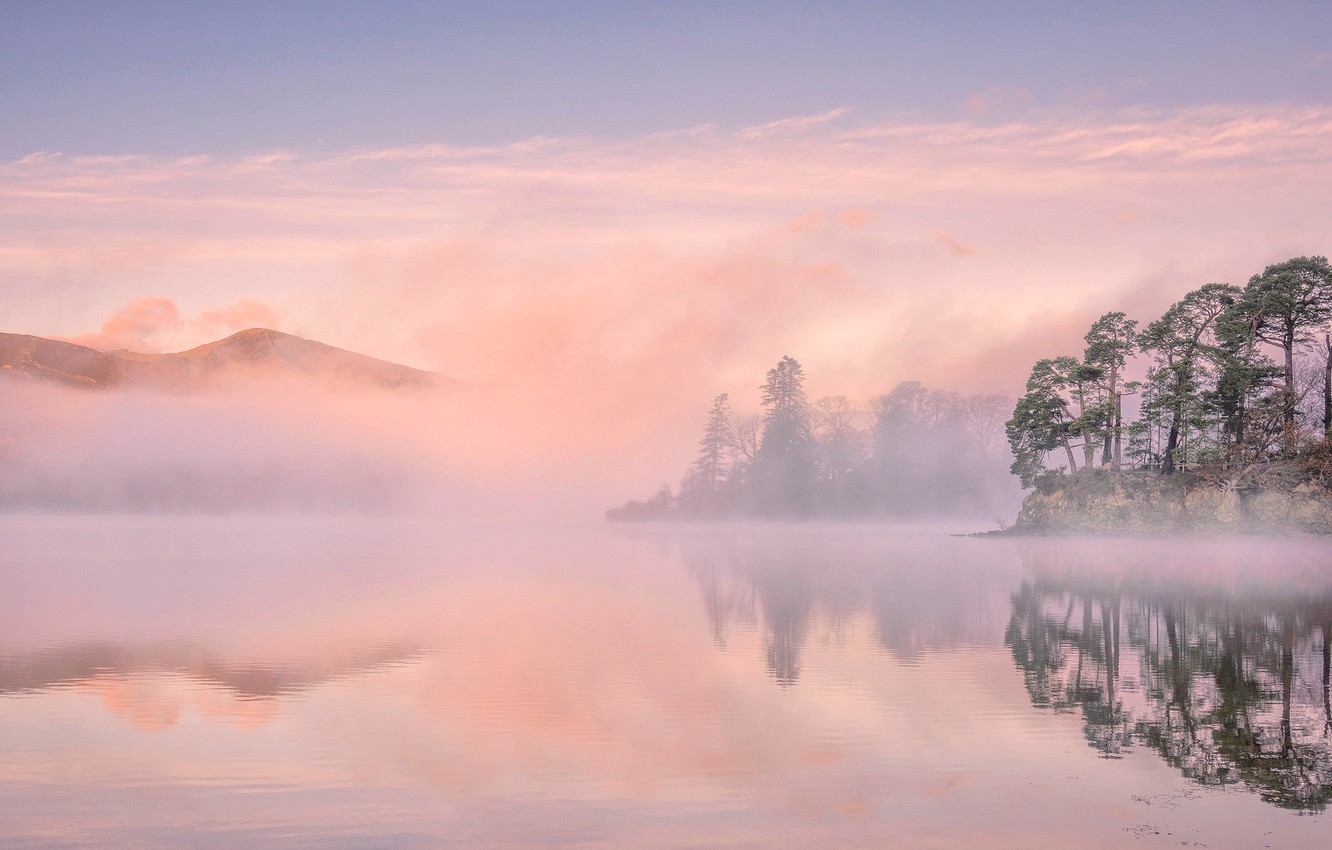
<point>1214,417</point>
<point>1233,424</point>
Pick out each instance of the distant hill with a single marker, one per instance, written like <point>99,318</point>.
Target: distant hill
<point>59,362</point>
<point>253,353</point>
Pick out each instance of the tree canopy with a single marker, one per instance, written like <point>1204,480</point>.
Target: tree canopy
<point>1210,393</point>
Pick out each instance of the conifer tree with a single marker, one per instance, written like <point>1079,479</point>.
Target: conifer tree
<point>1042,419</point>
<point>1110,341</point>
<point>715,445</point>
<point>1183,343</point>
<point>1282,307</point>
<point>784,466</point>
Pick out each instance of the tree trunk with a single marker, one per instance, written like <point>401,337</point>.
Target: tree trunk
<point>1241,432</point>
<point>1288,400</point>
<point>1072,464</point>
<point>1238,430</point>
<point>1176,418</point>
<point>1119,427</point>
<point>1172,442</point>
<point>1241,392</point>
<point>1088,447</point>
<point>1111,426</point>
<point>1327,389</point>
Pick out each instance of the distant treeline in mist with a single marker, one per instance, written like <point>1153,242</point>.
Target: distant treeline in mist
<point>911,452</point>
<point>1235,377</point>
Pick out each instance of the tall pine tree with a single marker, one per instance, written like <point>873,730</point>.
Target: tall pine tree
<point>784,468</point>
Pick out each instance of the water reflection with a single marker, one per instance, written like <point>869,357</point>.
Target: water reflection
<point>917,596</point>
<point>775,686</point>
<point>1227,681</point>
<point>75,665</point>
<point>152,686</point>
<point>1214,657</point>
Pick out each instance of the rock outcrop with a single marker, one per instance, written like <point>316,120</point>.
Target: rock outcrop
<point>1277,497</point>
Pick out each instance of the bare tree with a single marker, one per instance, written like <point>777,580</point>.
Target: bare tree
<point>834,416</point>
<point>842,446</point>
<point>984,416</point>
<point>745,434</point>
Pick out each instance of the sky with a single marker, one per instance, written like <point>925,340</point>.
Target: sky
<point>647,204</point>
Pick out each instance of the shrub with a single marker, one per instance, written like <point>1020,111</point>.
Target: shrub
<point>1316,464</point>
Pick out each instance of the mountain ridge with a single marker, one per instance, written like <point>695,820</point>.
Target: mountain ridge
<point>247,354</point>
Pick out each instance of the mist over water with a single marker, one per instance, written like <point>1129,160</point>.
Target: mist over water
<point>293,445</point>
<point>397,682</point>
<point>271,445</point>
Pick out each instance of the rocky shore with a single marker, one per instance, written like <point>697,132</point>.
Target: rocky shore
<point>1275,497</point>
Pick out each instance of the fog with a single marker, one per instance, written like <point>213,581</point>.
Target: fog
<point>285,446</point>
<point>256,442</point>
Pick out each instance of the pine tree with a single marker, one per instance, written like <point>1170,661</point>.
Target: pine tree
<point>1183,344</point>
<point>711,467</point>
<point>784,467</point>
<point>1281,307</point>
<point>1110,341</point>
<point>1042,419</point>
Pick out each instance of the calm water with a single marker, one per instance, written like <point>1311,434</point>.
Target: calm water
<point>295,683</point>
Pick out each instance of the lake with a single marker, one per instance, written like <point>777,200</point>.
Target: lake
<point>287,682</point>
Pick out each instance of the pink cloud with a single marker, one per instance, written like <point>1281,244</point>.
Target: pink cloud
<point>246,313</point>
<point>955,246</point>
<point>134,326</point>
<point>981,103</point>
<point>796,124</point>
<point>855,219</point>
<point>153,324</point>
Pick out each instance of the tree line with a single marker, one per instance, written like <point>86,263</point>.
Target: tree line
<point>1233,375</point>
<point>912,451</point>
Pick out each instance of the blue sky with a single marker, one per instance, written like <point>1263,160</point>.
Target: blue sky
<point>167,78</point>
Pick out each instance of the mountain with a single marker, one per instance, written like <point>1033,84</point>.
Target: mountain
<point>59,362</point>
<point>253,353</point>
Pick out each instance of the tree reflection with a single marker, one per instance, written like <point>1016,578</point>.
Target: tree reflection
<point>1228,688</point>
<point>793,587</point>
<point>787,600</point>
